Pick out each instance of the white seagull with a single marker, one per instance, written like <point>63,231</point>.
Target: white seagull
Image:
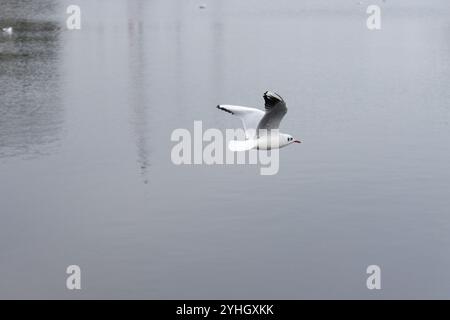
<point>8,30</point>
<point>260,125</point>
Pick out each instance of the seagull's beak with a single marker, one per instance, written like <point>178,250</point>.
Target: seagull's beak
<point>297,141</point>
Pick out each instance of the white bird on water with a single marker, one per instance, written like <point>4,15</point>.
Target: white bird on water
<point>8,30</point>
<point>258,125</point>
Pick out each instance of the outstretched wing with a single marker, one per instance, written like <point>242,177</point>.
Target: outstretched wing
<point>275,111</point>
<point>250,117</point>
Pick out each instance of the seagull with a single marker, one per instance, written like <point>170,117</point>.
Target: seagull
<point>258,125</point>
<point>8,30</point>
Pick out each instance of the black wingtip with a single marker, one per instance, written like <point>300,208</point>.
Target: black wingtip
<point>224,109</point>
<point>271,96</point>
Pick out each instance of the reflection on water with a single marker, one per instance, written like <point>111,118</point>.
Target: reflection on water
<point>138,99</point>
<point>30,111</point>
<point>85,124</point>
<point>30,100</point>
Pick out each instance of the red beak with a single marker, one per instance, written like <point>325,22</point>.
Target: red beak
<point>297,141</point>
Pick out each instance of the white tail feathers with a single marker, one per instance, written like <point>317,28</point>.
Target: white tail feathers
<point>242,145</point>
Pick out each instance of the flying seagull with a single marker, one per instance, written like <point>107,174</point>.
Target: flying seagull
<point>8,30</point>
<point>260,125</point>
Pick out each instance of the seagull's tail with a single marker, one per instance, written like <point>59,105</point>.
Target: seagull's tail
<point>241,145</point>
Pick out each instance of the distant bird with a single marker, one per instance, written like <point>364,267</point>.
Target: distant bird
<point>202,6</point>
<point>258,125</point>
<point>8,30</point>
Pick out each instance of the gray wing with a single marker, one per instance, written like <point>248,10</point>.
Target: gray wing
<point>275,111</point>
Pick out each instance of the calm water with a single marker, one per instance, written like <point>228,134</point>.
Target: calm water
<point>85,169</point>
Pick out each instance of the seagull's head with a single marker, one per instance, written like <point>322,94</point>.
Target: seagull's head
<point>290,139</point>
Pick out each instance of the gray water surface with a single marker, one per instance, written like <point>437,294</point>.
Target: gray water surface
<point>86,176</point>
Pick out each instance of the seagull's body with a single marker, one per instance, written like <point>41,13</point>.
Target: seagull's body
<point>8,30</point>
<point>261,127</point>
